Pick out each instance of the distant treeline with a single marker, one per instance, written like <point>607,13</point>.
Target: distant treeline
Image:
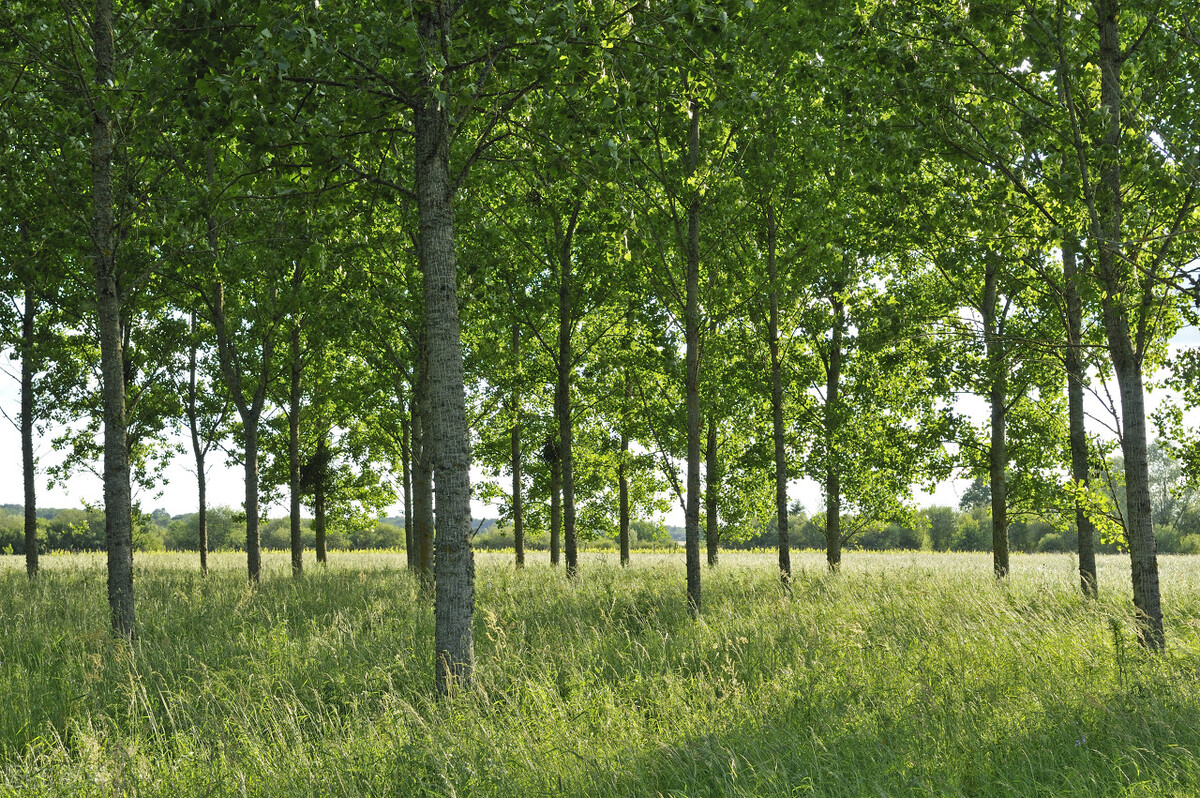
<point>930,529</point>
<point>83,530</point>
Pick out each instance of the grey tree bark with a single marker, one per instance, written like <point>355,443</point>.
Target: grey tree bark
<point>410,549</point>
<point>423,518</point>
<point>118,501</point>
<point>294,391</point>
<point>997,373</point>
<point>692,380</point>
<point>28,466</point>
<point>518,512</point>
<point>712,486</point>
<point>833,472</point>
<point>199,446</point>
<point>1126,357</point>
<point>622,476</point>
<point>319,519</point>
<point>781,470</point>
<point>454,565</point>
<point>1078,431</point>
<point>562,392</point>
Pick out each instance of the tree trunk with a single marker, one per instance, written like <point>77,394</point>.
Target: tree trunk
<point>1127,361</point>
<point>781,472</point>
<point>518,515</point>
<point>28,369</point>
<point>253,543</point>
<point>833,467</point>
<point>198,447</point>
<point>118,500</point>
<point>692,384</point>
<point>319,527</point>
<point>1079,444</point>
<point>555,510</point>
<point>562,392</point>
<point>297,546</point>
<point>454,565</point>
<point>423,520</point>
<point>712,486</point>
<point>997,371</point>
<point>410,551</point>
<point>622,476</point>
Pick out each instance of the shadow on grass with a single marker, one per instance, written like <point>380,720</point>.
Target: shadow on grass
<point>1144,741</point>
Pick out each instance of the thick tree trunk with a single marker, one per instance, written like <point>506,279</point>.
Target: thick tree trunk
<point>997,371</point>
<point>297,546</point>
<point>712,487</point>
<point>622,476</point>
<point>1078,431</point>
<point>781,472</point>
<point>833,467</point>
<point>28,369</point>
<point>253,542</point>
<point>518,511</point>
<point>454,565</point>
<point>118,499</point>
<point>692,341</point>
<point>1127,360</point>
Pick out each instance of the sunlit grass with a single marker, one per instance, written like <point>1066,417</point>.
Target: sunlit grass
<point>906,674</point>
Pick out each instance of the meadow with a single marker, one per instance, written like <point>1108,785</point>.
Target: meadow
<point>905,674</point>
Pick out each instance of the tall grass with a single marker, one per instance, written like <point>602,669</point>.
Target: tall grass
<point>905,674</point>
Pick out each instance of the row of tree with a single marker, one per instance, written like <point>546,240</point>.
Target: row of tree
<point>708,247</point>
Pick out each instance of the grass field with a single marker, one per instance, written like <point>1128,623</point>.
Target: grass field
<point>906,674</point>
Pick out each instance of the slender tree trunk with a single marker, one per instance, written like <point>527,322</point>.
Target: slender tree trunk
<point>562,393</point>
<point>297,545</point>
<point>118,497</point>
<point>1079,445</point>
<point>997,371</point>
<point>28,369</point>
<point>454,566</point>
<point>319,527</point>
<point>555,510</point>
<point>712,486</point>
<point>1127,360</point>
<point>423,518</point>
<point>833,467</point>
<point>253,542</point>
<point>781,471</point>
<point>563,411</point>
<point>692,336</point>
<point>410,551</point>
<point>622,476</point>
<point>518,514</point>
<point>198,447</point>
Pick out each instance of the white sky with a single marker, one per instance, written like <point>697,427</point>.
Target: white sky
<point>225,486</point>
